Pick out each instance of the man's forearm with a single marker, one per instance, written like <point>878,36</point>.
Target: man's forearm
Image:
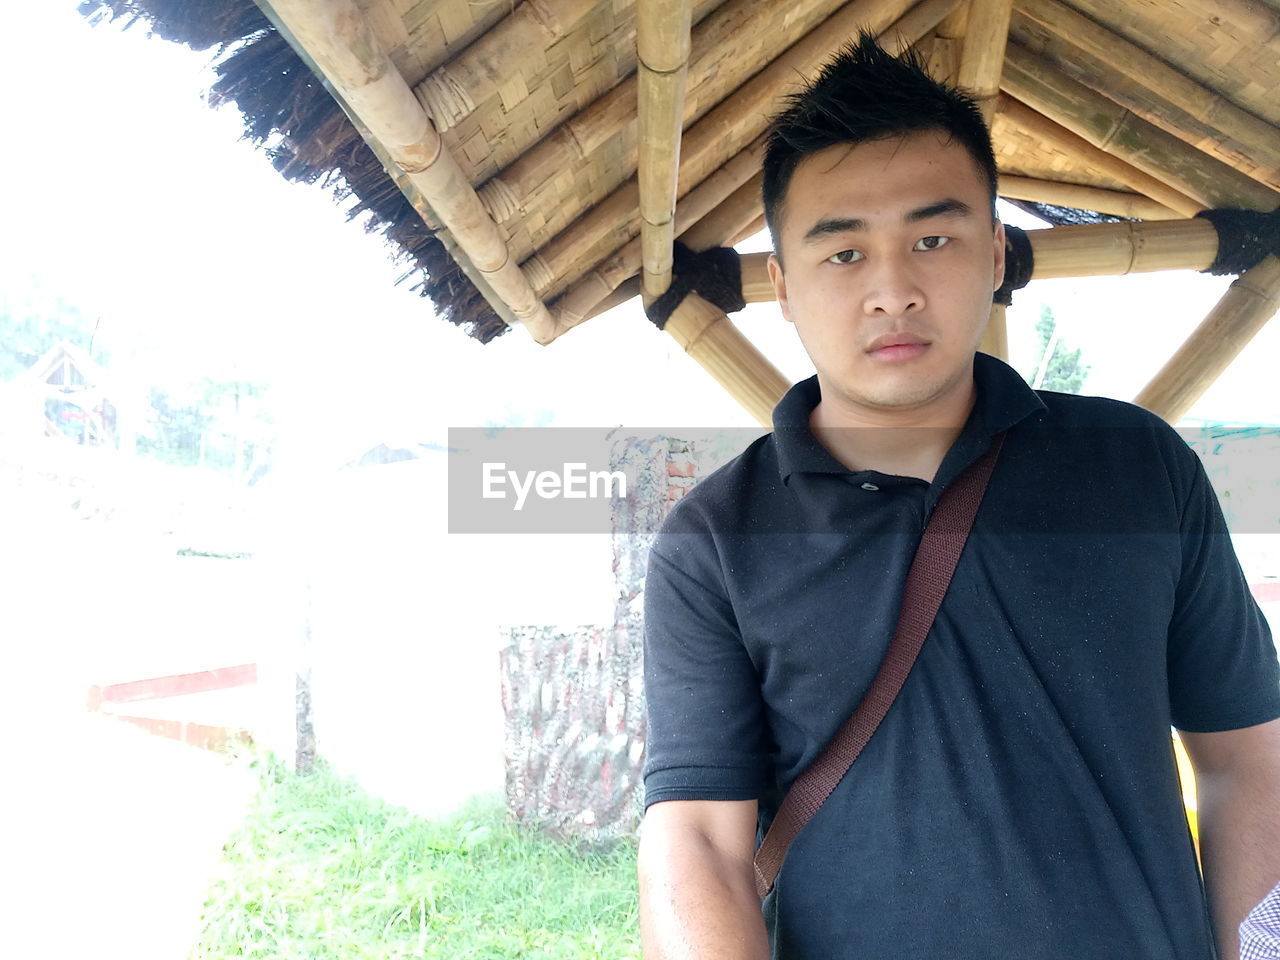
<point>1239,821</point>
<point>696,903</point>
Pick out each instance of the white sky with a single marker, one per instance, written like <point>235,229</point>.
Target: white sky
<point>128,196</point>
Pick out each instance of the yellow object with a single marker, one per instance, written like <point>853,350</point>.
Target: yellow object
<point>1187,777</point>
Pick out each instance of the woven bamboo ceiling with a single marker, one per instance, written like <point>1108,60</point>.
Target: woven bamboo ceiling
<point>534,161</point>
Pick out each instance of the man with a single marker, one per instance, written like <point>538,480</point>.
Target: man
<point>1020,798</point>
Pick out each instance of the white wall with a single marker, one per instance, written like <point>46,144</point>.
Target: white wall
<point>407,620</point>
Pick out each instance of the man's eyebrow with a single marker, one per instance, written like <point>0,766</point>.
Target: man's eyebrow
<point>943,208</point>
<point>830,225</point>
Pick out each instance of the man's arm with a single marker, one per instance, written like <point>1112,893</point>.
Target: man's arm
<point>697,886</point>
<point>1238,806</point>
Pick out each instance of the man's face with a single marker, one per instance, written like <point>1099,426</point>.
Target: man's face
<point>891,259</point>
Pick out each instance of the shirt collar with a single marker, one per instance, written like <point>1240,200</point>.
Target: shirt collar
<point>1003,399</point>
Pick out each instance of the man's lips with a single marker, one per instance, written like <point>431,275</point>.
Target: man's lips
<point>895,340</point>
<point>897,346</point>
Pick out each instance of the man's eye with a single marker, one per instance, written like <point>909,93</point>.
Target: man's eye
<point>845,256</point>
<point>931,243</point>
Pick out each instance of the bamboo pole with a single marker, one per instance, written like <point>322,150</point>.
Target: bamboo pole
<point>521,190</point>
<point>981,61</point>
<point>710,338</point>
<point>995,338</point>
<point>1089,250</point>
<point>737,212</point>
<point>579,302</point>
<point>946,43</point>
<point>450,93</point>
<point>1115,249</point>
<point>1112,129</point>
<point>923,18</point>
<point>336,37</point>
<point>1254,139</point>
<point>756,285</point>
<point>1039,126</point>
<point>727,225</point>
<point>733,123</point>
<point>662,48</point>
<point>1244,309</point>
<point>621,294</point>
<point>1112,202</point>
<point>748,230</point>
<point>982,57</point>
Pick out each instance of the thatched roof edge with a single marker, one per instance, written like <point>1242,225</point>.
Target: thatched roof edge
<point>291,116</point>
<point>1061,216</point>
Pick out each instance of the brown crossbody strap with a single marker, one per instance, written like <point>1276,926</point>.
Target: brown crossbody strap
<point>927,581</point>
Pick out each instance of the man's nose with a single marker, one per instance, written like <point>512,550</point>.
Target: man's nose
<point>893,288</point>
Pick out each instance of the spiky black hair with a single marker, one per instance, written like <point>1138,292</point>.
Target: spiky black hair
<point>865,94</point>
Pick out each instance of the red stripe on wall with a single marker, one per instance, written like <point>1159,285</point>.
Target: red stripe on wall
<point>177,685</point>
<point>1268,592</point>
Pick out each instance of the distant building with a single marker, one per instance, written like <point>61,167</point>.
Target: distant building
<point>67,394</point>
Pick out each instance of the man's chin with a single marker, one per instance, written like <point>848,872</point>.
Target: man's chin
<point>892,392</point>
<point>891,400</point>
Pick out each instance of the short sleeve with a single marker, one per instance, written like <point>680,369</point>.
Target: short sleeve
<point>1223,671</point>
<point>705,738</point>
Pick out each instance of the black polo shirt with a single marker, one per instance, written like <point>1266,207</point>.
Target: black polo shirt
<point>1020,799</point>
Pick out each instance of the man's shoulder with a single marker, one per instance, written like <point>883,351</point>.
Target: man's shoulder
<point>722,498</point>
<point>1073,410</point>
<point>1116,439</point>
<point>1094,421</point>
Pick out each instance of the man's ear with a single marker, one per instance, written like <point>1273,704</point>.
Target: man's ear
<point>779,281</point>
<point>998,240</point>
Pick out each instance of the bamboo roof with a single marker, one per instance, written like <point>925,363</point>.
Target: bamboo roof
<point>532,162</point>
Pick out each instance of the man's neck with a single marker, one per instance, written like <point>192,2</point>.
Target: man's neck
<point>908,442</point>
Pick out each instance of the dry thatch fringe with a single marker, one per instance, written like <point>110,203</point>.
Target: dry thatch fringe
<point>1061,216</point>
<point>310,139</point>
<point>289,114</point>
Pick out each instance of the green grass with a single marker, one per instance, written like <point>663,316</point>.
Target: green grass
<point>322,870</point>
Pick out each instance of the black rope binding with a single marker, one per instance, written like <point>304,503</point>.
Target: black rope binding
<point>715,275</point>
<point>1018,264</point>
<point>1245,239</point>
